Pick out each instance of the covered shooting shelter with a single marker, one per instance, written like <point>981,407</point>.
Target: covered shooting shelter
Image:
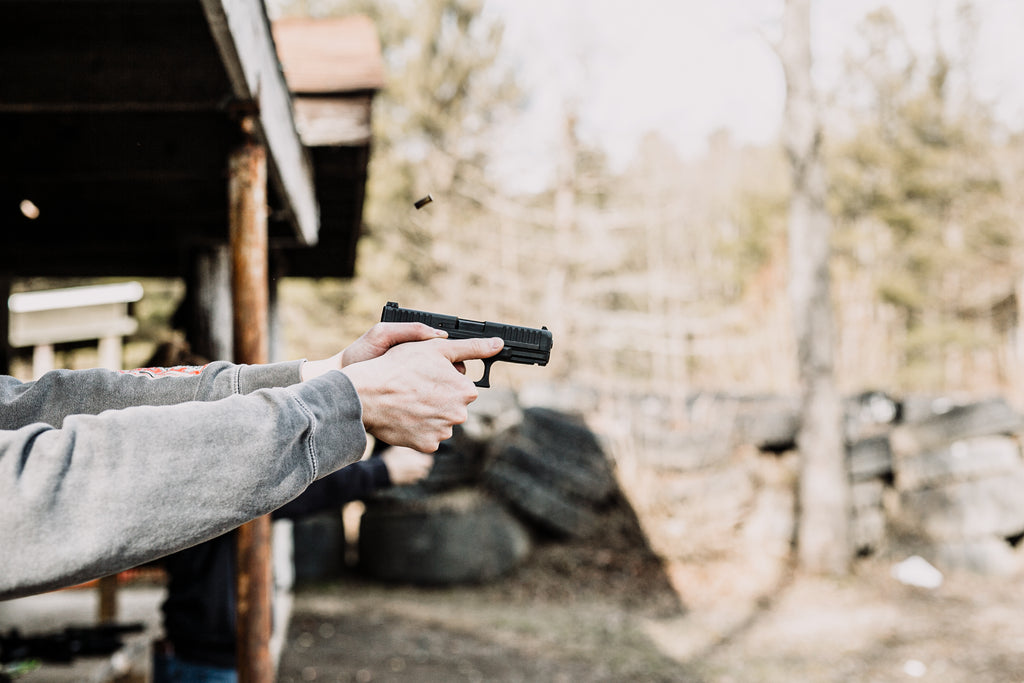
<point>178,138</point>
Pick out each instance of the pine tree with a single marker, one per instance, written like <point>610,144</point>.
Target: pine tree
<point>924,209</point>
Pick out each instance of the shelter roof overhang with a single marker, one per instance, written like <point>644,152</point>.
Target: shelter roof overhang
<point>117,120</point>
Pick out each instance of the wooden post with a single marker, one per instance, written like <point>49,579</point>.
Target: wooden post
<point>207,312</point>
<point>110,357</point>
<point>107,600</point>
<point>5,322</point>
<point>247,195</point>
<point>43,360</point>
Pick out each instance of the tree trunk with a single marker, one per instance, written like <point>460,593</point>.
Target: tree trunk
<point>823,532</point>
<point>559,274</point>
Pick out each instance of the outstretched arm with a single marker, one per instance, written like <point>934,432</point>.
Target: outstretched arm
<point>60,393</point>
<point>107,492</point>
<point>85,493</point>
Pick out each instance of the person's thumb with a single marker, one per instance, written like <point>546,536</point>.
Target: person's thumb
<point>457,350</point>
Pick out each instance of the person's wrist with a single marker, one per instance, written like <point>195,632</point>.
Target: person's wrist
<point>365,392</point>
<point>315,368</point>
<point>308,370</point>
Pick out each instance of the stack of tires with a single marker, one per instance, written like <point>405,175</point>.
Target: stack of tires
<point>771,424</point>
<point>474,517</point>
<point>959,476</point>
<point>868,418</point>
<point>552,471</point>
<point>869,463</point>
<point>462,535</point>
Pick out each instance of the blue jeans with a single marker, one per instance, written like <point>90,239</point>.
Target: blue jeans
<point>169,669</point>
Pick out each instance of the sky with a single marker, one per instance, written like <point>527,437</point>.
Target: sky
<point>687,68</point>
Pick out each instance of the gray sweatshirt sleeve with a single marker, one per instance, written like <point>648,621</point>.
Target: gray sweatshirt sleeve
<point>98,493</point>
<point>60,393</point>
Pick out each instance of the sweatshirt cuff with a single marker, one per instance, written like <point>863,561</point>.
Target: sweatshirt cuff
<point>338,437</point>
<point>269,375</point>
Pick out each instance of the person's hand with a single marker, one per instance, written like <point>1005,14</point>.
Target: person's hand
<point>414,393</point>
<point>406,466</point>
<point>374,342</point>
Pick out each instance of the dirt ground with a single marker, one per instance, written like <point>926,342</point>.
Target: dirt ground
<point>608,609</point>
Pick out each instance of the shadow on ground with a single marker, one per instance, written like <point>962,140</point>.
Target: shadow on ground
<point>574,611</point>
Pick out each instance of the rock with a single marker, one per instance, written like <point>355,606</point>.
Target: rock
<point>991,556</point>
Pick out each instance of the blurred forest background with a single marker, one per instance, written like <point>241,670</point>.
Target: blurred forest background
<point>669,276</point>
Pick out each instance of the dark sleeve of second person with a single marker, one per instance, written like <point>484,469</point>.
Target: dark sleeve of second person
<point>352,482</point>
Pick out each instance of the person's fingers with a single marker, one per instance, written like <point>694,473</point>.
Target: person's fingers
<point>410,394</point>
<point>457,350</point>
<point>428,441</point>
<point>382,336</point>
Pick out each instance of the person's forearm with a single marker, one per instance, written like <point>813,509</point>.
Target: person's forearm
<point>60,393</point>
<point>108,492</point>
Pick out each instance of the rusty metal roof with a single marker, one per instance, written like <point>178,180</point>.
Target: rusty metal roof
<point>329,56</point>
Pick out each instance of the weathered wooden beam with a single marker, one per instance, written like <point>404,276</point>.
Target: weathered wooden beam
<point>242,33</point>
<point>250,297</point>
<point>327,121</point>
<point>5,347</point>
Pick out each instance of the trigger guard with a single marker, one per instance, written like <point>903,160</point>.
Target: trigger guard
<point>485,381</point>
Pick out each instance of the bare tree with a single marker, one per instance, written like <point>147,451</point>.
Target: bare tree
<point>823,533</point>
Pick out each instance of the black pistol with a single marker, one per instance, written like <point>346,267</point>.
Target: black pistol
<point>526,345</point>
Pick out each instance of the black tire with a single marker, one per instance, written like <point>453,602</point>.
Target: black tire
<point>870,458</point>
<point>560,452</point>
<point>770,425</point>
<point>543,505</point>
<point>318,543</point>
<point>965,460</point>
<point>566,436</point>
<point>463,536</point>
<point>550,470</point>
<point>868,530</point>
<point>969,509</point>
<point>456,463</point>
<point>868,413</point>
<point>984,418</point>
